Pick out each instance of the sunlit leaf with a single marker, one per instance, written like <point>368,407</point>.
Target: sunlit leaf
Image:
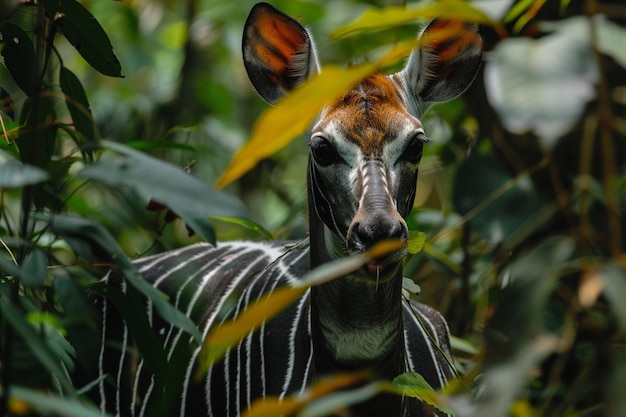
<point>412,384</point>
<point>248,224</point>
<point>275,406</point>
<point>84,32</point>
<point>416,241</point>
<point>220,340</point>
<point>373,20</point>
<point>291,117</point>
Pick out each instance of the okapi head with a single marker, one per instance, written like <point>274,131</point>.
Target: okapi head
<point>366,146</point>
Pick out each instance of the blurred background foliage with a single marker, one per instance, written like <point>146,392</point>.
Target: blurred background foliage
<point>520,195</point>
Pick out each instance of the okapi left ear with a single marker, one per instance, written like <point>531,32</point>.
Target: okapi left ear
<point>446,64</point>
<point>278,52</point>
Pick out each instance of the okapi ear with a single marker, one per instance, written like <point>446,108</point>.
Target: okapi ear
<point>446,64</point>
<point>278,52</point>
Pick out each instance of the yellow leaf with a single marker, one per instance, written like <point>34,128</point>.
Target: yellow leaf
<point>274,406</point>
<point>222,338</point>
<point>416,242</point>
<point>291,117</point>
<point>373,20</point>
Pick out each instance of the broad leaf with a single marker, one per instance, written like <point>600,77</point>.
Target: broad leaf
<point>19,57</point>
<point>542,85</point>
<point>14,174</point>
<point>84,32</point>
<point>188,197</point>
<point>373,20</point>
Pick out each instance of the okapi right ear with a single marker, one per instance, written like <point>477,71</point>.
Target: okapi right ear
<point>278,52</point>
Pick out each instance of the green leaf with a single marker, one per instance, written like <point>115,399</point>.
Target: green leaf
<point>78,106</point>
<point>614,281</point>
<point>373,20</point>
<point>34,269</point>
<point>14,174</point>
<point>611,39</point>
<point>46,403</point>
<point>101,242</point>
<point>412,384</point>
<point>248,224</point>
<point>416,241</point>
<point>191,199</point>
<point>19,57</point>
<point>84,32</point>
<point>38,346</point>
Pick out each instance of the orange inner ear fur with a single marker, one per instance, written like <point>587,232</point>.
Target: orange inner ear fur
<point>279,41</point>
<point>450,38</point>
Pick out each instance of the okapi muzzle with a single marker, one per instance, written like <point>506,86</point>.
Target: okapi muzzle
<point>377,218</point>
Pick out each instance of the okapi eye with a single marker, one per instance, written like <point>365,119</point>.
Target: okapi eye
<point>323,152</point>
<point>413,151</point>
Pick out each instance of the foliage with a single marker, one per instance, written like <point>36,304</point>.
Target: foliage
<point>518,215</point>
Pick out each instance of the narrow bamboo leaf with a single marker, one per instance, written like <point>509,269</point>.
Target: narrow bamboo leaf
<point>275,406</point>
<point>95,235</point>
<point>463,345</point>
<point>190,198</point>
<point>373,20</point>
<point>84,32</point>
<point>291,117</point>
<point>516,10</point>
<point>19,57</point>
<point>46,403</point>
<point>14,174</point>
<point>221,339</point>
<point>248,224</point>
<point>293,114</point>
<point>38,346</point>
<point>78,106</point>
